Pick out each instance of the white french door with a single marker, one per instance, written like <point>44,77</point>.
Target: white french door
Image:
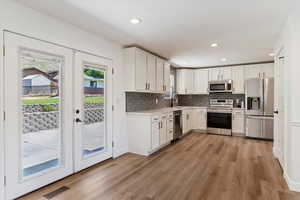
<point>93,110</point>
<point>39,118</point>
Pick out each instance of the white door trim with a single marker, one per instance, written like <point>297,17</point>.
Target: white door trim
<point>2,154</point>
<point>80,58</point>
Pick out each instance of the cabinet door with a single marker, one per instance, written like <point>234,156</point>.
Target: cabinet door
<point>189,120</point>
<point>155,135</point>
<point>167,70</point>
<point>225,73</point>
<point>203,119</point>
<point>151,72</point>
<point>163,130</point>
<point>268,70</point>
<point>189,81</point>
<point>214,74</point>
<point>159,75</point>
<point>140,70</point>
<point>252,71</point>
<point>201,81</point>
<point>180,81</point>
<point>238,80</point>
<point>238,122</point>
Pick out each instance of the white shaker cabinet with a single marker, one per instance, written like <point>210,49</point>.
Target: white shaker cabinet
<point>238,121</point>
<point>167,72</point>
<point>268,70</point>
<point>214,74</point>
<point>163,130</point>
<point>184,81</point>
<point>145,72</point>
<point>238,80</point>
<point>151,72</point>
<point>187,123</point>
<point>219,73</point>
<point>140,70</point>
<point>199,119</point>
<point>201,81</point>
<point>160,75</point>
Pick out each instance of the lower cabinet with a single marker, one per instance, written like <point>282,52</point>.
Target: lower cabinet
<point>238,122</point>
<point>199,119</point>
<point>194,119</point>
<point>148,133</point>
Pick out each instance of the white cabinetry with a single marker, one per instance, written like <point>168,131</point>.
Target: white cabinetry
<point>167,72</point>
<point>185,82</point>
<point>151,72</point>
<point>145,72</point>
<point>187,122</point>
<point>259,71</point>
<point>220,73</point>
<point>238,121</point>
<point>160,74</point>
<point>199,119</point>
<point>200,81</point>
<point>238,80</point>
<point>149,133</point>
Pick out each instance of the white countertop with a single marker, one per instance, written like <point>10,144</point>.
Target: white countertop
<point>163,110</point>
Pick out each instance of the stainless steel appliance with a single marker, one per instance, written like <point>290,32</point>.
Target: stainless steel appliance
<point>177,125</point>
<point>219,116</point>
<point>259,107</point>
<point>220,86</point>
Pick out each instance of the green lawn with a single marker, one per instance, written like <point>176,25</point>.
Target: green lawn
<point>52,100</point>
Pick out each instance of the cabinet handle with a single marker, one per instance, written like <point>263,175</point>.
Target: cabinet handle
<point>146,87</point>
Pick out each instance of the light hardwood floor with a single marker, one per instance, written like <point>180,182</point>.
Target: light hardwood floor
<point>200,166</point>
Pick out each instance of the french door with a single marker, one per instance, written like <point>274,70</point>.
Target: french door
<point>39,115</point>
<point>93,110</point>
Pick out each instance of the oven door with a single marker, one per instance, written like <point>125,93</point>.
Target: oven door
<point>219,120</point>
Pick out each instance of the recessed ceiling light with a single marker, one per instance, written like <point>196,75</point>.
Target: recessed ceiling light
<point>135,21</point>
<point>272,54</point>
<point>224,59</point>
<point>214,45</point>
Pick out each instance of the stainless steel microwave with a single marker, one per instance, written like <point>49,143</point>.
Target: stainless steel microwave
<point>220,86</point>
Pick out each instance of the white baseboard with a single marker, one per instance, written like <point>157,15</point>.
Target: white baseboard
<point>117,152</point>
<point>293,185</point>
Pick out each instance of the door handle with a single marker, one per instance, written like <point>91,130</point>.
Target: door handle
<point>77,120</point>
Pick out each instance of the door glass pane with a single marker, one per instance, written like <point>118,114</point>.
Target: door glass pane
<point>93,130</point>
<point>41,97</point>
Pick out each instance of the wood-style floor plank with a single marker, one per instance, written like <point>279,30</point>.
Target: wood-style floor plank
<point>198,167</point>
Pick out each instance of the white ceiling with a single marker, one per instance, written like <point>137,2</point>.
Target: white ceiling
<point>181,30</point>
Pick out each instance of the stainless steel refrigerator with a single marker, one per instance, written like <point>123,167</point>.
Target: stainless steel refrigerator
<point>259,107</point>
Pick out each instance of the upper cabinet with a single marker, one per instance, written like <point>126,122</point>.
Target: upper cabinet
<point>201,81</point>
<point>220,73</point>
<point>259,71</point>
<point>145,72</point>
<point>167,73</point>
<point>238,80</point>
<point>185,83</point>
<point>160,75</point>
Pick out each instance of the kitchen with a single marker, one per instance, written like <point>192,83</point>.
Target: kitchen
<point>149,100</point>
<point>229,100</point>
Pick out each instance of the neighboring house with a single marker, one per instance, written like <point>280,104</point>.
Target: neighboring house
<point>93,86</point>
<point>91,82</point>
<point>38,84</point>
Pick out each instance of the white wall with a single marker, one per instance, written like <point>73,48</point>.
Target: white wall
<point>18,18</point>
<point>290,40</point>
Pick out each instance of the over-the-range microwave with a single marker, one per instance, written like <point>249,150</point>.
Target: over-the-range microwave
<point>220,86</point>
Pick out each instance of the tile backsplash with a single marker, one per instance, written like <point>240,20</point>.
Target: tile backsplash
<point>136,101</point>
<point>203,100</point>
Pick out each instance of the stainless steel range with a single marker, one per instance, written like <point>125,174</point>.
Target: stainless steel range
<point>219,117</point>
